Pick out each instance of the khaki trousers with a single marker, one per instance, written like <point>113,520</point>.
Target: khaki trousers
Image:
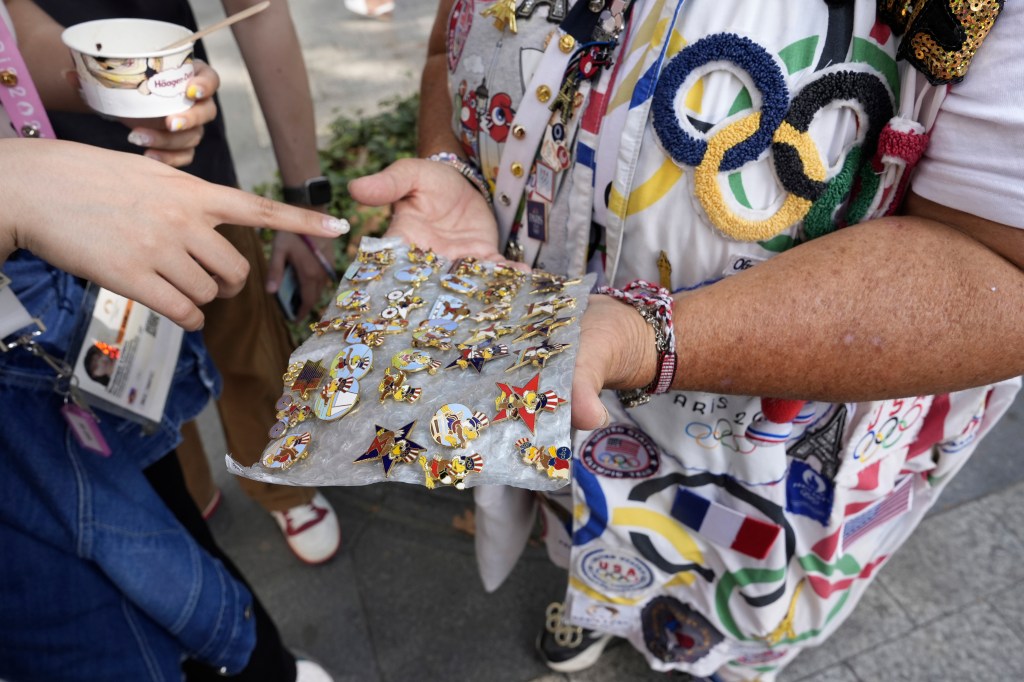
<point>247,338</point>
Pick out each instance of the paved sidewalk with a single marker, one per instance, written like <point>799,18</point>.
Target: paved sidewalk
<point>402,600</point>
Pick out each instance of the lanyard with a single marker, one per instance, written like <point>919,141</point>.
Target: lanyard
<point>587,23</point>
<point>18,93</point>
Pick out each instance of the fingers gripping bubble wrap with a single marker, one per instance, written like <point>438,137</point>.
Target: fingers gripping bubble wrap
<point>431,372</point>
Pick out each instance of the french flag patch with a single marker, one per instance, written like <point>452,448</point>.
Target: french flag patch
<point>724,526</point>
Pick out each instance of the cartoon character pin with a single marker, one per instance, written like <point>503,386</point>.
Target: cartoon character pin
<point>555,462</point>
<point>284,453</point>
<point>477,355</point>
<point>459,284</point>
<point>452,471</point>
<point>380,257</point>
<point>538,356</point>
<point>337,398</point>
<point>400,303</point>
<point>550,306</point>
<point>546,283</point>
<point>412,360</point>
<point>424,256</point>
<point>353,361</point>
<point>334,324</point>
<point>289,413</point>
<point>436,333</point>
<point>414,274</point>
<point>449,308</point>
<point>363,272</point>
<point>393,386</point>
<point>392,448</point>
<point>496,311</point>
<point>488,333</point>
<point>354,299</point>
<point>525,402</point>
<point>543,327</point>
<point>455,425</point>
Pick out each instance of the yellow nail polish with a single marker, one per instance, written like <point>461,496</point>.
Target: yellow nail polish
<point>177,124</point>
<point>194,92</point>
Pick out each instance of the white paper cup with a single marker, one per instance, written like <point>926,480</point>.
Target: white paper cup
<point>122,70</point>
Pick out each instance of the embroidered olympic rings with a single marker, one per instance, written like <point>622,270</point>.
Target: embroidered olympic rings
<point>781,126</point>
<point>686,147</point>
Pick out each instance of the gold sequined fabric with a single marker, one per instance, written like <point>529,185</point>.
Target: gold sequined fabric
<point>940,37</point>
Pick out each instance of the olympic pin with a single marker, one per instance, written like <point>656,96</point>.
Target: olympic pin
<point>525,402</point>
<point>392,448</point>
<point>285,453</point>
<point>455,426</point>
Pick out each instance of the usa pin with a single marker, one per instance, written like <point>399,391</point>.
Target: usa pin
<point>455,426</point>
<point>525,402</point>
<point>392,448</point>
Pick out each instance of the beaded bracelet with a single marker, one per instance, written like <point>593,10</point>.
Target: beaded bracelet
<point>467,170</point>
<point>655,305</point>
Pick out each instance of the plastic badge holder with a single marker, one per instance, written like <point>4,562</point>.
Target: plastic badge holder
<point>319,452</point>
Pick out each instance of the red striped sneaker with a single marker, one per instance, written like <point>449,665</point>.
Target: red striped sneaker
<point>312,530</point>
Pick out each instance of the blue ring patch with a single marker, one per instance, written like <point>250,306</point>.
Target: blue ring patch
<point>768,78</point>
<point>620,451</point>
<point>615,571</point>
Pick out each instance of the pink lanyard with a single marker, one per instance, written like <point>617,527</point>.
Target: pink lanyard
<point>18,93</point>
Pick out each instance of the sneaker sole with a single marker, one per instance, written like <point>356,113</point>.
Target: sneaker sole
<point>574,665</point>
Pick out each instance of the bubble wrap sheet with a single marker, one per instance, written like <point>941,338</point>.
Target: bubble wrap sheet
<point>331,448</point>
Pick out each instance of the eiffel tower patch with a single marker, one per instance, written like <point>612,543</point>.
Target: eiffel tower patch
<point>823,443</point>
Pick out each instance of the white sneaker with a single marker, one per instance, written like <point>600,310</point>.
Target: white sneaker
<point>312,530</point>
<point>308,671</point>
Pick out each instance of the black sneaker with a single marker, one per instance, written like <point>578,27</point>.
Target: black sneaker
<point>567,648</point>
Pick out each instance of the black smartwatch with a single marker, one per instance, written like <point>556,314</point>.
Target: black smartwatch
<point>313,192</point>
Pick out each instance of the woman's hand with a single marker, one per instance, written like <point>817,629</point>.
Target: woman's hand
<point>134,226</point>
<point>173,139</point>
<point>434,207</point>
<point>616,351</point>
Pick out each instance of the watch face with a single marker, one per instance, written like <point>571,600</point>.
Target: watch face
<point>319,192</point>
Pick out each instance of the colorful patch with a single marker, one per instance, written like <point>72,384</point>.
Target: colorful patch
<point>895,504</point>
<point>823,443</point>
<point>675,633</point>
<point>808,493</point>
<point>620,451</point>
<point>724,526</point>
<point>615,571</point>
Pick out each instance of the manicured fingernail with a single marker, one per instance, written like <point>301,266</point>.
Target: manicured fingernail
<point>150,154</point>
<point>177,124</point>
<point>194,92</point>
<point>140,139</point>
<point>607,419</point>
<point>336,225</point>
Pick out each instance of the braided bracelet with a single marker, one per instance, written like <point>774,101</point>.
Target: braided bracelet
<point>655,305</point>
<point>466,170</point>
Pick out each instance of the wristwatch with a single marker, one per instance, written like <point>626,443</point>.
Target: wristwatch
<point>313,192</point>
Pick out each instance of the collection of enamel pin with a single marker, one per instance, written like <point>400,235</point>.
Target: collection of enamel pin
<point>446,346</point>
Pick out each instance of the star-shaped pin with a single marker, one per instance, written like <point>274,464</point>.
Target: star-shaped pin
<point>524,402</point>
<point>549,306</point>
<point>478,355</point>
<point>538,356</point>
<point>543,327</point>
<point>488,333</point>
<point>392,447</point>
<point>551,284</point>
<point>504,13</point>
